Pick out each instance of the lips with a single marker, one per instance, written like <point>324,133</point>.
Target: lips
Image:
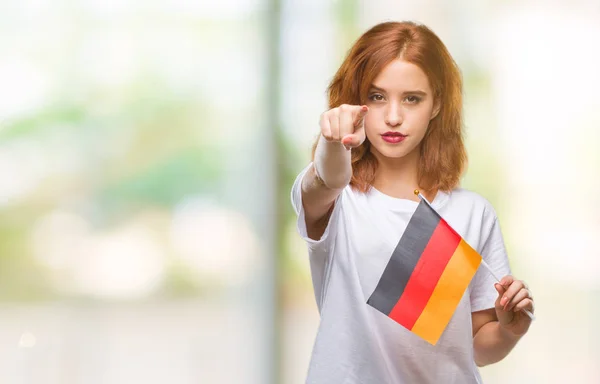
<point>393,137</point>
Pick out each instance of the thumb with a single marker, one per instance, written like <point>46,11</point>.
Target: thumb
<point>500,289</point>
<point>354,140</point>
<point>504,317</point>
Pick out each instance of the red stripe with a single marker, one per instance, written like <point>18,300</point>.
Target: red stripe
<point>425,276</point>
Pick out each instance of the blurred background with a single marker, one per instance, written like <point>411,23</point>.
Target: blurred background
<point>147,151</point>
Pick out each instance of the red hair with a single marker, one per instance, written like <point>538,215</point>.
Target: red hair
<point>443,156</point>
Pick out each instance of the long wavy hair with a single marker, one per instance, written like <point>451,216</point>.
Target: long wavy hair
<point>442,155</point>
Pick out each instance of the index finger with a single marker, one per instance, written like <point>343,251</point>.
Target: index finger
<point>361,112</point>
<point>510,293</point>
<point>506,281</point>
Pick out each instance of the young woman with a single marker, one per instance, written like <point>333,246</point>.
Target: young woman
<point>395,125</point>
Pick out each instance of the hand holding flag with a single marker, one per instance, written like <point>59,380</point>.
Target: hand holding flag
<point>428,273</point>
<point>514,298</point>
<point>516,292</point>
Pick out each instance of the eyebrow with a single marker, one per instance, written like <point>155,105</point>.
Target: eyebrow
<point>415,92</point>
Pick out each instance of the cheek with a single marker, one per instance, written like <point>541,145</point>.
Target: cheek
<point>427,110</point>
<point>372,116</point>
<point>420,117</point>
<point>371,121</point>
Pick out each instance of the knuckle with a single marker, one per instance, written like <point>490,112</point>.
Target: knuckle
<point>330,113</point>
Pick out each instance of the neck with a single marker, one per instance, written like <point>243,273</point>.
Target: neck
<point>398,177</point>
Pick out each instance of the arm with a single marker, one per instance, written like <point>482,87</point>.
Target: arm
<point>497,330</point>
<point>341,128</point>
<point>491,343</point>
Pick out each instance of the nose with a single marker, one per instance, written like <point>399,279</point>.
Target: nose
<point>393,117</point>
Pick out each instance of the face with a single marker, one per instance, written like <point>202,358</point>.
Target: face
<point>401,105</point>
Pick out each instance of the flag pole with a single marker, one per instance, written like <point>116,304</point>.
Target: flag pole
<point>486,265</point>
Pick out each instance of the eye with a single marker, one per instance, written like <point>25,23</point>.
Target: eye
<point>376,97</point>
<point>413,99</point>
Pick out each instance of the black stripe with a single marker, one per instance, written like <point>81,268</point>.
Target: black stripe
<point>404,258</point>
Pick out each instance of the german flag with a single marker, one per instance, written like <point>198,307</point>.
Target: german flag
<point>426,276</point>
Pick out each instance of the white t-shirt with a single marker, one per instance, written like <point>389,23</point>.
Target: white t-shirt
<point>357,344</point>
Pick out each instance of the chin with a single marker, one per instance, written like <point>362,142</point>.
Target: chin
<point>394,154</point>
<point>391,151</point>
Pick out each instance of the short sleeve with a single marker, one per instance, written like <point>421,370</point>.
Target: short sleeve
<point>328,236</point>
<point>493,251</point>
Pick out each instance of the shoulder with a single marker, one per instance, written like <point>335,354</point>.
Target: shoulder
<point>470,201</point>
<point>474,217</point>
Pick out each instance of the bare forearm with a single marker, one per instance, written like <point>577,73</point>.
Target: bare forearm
<point>332,163</point>
<point>492,343</point>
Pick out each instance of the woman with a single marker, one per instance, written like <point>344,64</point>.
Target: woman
<point>395,125</point>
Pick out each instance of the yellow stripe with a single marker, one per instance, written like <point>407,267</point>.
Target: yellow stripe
<point>447,293</point>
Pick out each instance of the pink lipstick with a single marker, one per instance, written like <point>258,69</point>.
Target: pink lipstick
<point>393,137</point>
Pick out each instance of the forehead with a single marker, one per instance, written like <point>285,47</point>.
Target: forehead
<point>401,76</point>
